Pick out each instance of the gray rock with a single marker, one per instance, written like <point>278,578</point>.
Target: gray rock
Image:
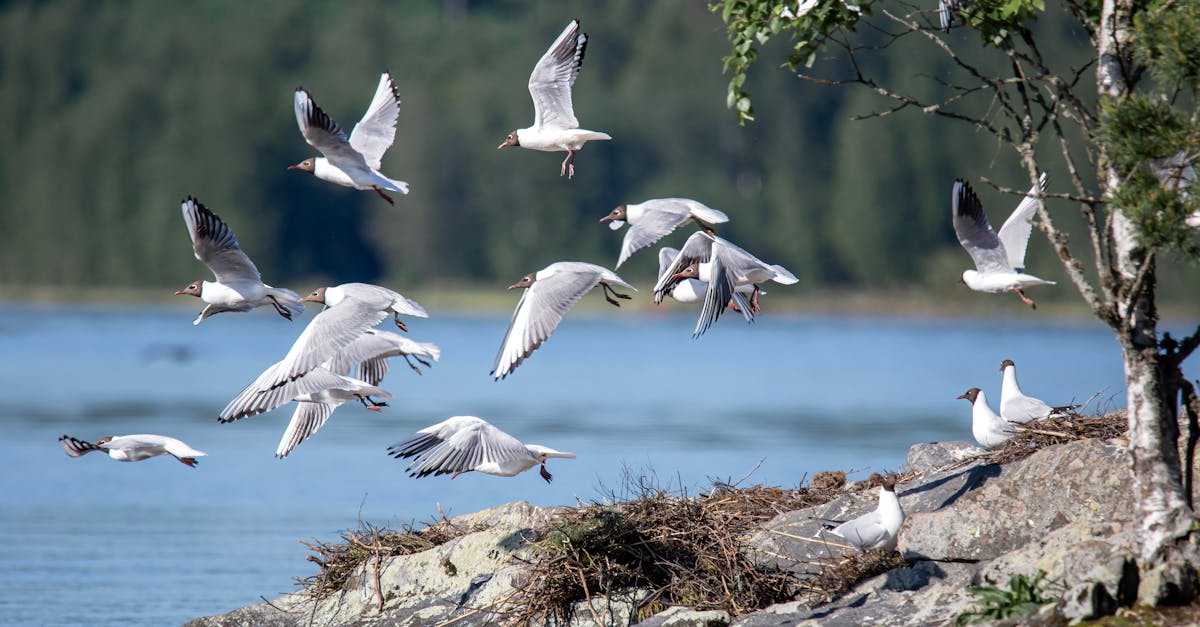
<point>1171,583</point>
<point>1001,510</point>
<point>687,617</point>
<point>936,455</point>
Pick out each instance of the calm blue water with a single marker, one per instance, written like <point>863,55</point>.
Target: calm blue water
<point>158,543</point>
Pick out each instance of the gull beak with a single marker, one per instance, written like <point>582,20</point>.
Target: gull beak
<point>963,396</point>
<point>678,275</point>
<point>179,292</point>
<point>514,286</point>
<point>606,218</point>
<point>293,167</point>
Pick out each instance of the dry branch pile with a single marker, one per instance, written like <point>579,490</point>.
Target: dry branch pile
<point>1039,434</point>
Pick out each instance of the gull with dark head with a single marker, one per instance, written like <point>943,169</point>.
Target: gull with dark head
<point>133,448</point>
<point>724,268</point>
<point>239,286</point>
<point>651,220</point>
<point>354,161</point>
<point>999,258</point>
<point>555,128</point>
<point>549,293</point>
<point>1015,406</point>
<point>877,529</point>
<point>466,443</point>
<point>989,429</point>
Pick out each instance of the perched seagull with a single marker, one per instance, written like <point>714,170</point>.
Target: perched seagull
<point>999,259</point>
<point>653,220</point>
<point>238,287</point>
<point>555,128</point>
<point>350,309</point>
<point>551,292</point>
<point>1015,406</point>
<point>465,443</point>
<point>878,529</point>
<point>989,429</point>
<point>352,162</point>
<point>133,448</point>
<point>724,267</point>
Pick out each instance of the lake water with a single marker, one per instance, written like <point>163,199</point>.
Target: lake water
<point>93,541</point>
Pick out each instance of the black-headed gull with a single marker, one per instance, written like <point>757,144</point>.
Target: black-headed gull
<point>1015,406</point>
<point>350,309</point>
<point>550,292</point>
<point>690,290</point>
<point>369,354</point>
<point>239,286</point>
<point>724,267</point>
<point>133,448</point>
<point>354,161</point>
<point>466,443</point>
<point>989,429</point>
<point>999,259</point>
<point>555,127</point>
<point>654,219</point>
<point>877,529</point>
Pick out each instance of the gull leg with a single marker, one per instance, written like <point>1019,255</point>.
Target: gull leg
<point>608,290</point>
<point>373,406</point>
<point>412,365</point>
<point>754,308</point>
<point>383,195</point>
<point>1025,299</point>
<point>568,165</point>
<point>402,326</point>
<point>280,308</point>
<point>545,473</point>
<point>704,227</point>
<point>734,306</point>
<point>187,461</point>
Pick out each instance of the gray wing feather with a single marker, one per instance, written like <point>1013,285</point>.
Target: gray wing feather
<point>974,232</point>
<point>76,448</point>
<point>306,420</point>
<point>462,445</point>
<point>666,255</point>
<point>540,310</point>
<point>324,134</point>
<point>216,246</point>
<point>862,532</point>
<point>261,397</point>
<point>376,131</point>
<point>1014,233</point>
<point>697,248</point>
<point>661,217</point>
<point>552,78</point>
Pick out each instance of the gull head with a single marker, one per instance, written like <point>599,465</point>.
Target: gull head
<point>970,395</point>
<point>104,440</point>
<point>617,214</point>
<point>690,272</point>
<point>511,140</point>
<point>318,296</point>
<point>308,165</point>
<point>1006,363</point>
<point>889,483</point>
<point>193,289</point>
<point>525,281</point>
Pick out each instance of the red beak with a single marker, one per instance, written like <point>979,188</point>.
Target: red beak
<point>293,167</point>
<point>179,292</point>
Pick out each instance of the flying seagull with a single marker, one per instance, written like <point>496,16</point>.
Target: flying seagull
<point>550,292</point>
<point>654,219</point>
<point>238,287</point>
<point>555,128</point>
<point>465,443</point>
<point>877,529</point>
<point>133,448</point>
<point>999,259</point>
<point>352,162</point>
<point>725,268</point>
<point>989,429</point>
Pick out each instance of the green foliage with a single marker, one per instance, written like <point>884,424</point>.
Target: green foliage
<point>996,21</point>
<point>1022,598</point>
<point>1168,43</point>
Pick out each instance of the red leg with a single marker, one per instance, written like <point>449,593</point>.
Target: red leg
<point>383,195</point>
<point>754,308</point>
<point>1025,299</point>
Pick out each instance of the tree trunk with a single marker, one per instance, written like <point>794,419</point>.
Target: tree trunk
<point>1160,506</point>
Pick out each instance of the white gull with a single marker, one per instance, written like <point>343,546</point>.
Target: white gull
<point>651,220</point>
<point>133,448</point>
<point>466,443</point>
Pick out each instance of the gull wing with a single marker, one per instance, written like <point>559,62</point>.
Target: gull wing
<point>863,532</point>
<point>216,246</point>
<point>666,256</point>
<point>77,448</point>
<point>660,217</point>
<point>376,131</point>
<point>697,249</point>
<point>307,418</point>
<point>552,78</point>
<point>459,444</point>
<point>324,134</point>
<point>541,309</point>
<point>974,232</point>
<point>267,392</point>
<point>1014,233</point>
<point>716,297</point>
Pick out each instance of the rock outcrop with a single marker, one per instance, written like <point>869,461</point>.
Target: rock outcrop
<point>1063,510</point>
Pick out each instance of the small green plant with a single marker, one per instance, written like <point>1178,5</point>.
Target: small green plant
<point>1022,598</point>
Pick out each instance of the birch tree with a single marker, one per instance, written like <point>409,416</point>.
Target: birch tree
<point>1123,126</point>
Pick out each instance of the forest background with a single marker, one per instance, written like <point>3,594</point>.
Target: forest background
<point>115,111</point>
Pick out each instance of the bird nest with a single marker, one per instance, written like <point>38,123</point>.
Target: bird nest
<point>1038,434</point>
<point>338,561</point>
<point>680,550</point>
